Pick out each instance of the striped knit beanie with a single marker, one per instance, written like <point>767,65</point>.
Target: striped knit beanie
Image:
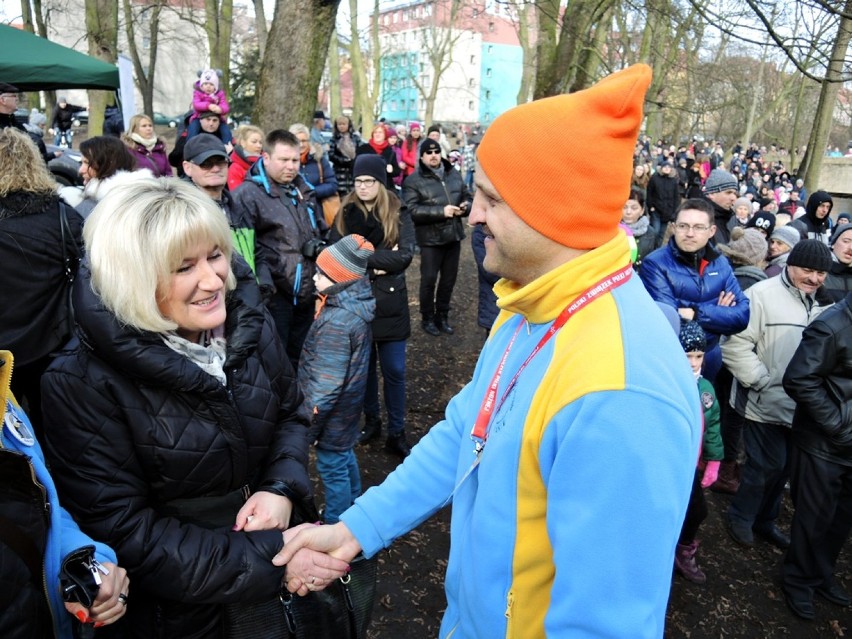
<point>564,195</point>
<point>346,259</point>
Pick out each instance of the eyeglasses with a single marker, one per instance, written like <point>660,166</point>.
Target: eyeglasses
<point>212,163</point>
<point>696,228</point>
<point>431,153</point>
<point>367,182</point>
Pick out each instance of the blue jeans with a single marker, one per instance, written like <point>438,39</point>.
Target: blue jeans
<point>69,137</point>
<point>338,470</point>
<point>391,356</point>
<point>224,132</point>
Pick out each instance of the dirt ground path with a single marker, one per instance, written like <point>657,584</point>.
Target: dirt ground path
<point>741,598</point>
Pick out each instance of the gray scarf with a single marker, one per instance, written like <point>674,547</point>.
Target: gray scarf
<point>208,354</point>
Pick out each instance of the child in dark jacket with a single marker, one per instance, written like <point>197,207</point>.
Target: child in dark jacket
<point>333,367</point>
<point>694,343</point>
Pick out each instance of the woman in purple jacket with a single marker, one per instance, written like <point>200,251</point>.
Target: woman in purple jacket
<point>146,147</point>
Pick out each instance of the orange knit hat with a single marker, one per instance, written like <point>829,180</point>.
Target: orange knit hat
<point>570,183</point>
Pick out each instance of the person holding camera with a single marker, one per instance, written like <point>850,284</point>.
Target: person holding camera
<point>289,233</point>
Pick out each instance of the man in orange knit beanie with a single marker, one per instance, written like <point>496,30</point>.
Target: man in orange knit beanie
<point>569,457</point>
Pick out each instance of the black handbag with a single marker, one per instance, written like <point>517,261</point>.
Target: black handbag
<point>70,260</point>
<point>342,610</point>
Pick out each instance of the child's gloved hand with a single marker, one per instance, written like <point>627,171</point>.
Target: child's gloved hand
<point>711,473</point>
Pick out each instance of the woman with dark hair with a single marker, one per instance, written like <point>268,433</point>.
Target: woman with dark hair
<point>375,212</point>
<point>341,152</point>
<point>106,164</point>
<point>174,424</point>
<point>635,218</point>
<point>34,245</point>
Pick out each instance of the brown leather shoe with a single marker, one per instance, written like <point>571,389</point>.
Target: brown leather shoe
<point>728,482</point>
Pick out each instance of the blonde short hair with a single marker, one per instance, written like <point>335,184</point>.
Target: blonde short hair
<point>245,130</point>
<point>139,234</point>
<point>298,128</point>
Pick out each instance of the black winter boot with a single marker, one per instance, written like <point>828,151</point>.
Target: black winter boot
<point>372,429</point>
<point>429,326</point>
<point>443,324</point>
<point>397,445</point>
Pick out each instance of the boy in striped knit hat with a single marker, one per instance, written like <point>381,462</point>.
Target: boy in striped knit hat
<point>333,367</point>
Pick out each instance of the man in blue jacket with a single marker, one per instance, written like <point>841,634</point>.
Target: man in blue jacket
<point>690,275</point>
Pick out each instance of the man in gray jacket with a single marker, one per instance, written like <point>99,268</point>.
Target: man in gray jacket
<point>781,308</point>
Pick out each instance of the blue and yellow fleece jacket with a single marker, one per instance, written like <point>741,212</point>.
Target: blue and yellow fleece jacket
<point>567,528</point>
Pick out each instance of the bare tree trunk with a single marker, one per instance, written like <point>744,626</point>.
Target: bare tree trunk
<point>219,16</point>
<point>145,81</point>
<point>526,12</point>
<point>102,32</point>
<point>334,99</point>
<point>359,74</point>
<point>547,14</point>
<point>812,162</point>
<point>794,134</point>
<point>260,26</point>
<point>374,88</point>
<point>294,60</point>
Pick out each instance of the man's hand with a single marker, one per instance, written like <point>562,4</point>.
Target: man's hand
<point>337,541</point>
<point>686,313</point>
<point>264,511</point>
<point>451,211</point>
<point>726,299</point>
<point>308,569</point>
<point>107,608</point>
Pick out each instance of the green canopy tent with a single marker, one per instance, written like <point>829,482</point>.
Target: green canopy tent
<point>32,63</point>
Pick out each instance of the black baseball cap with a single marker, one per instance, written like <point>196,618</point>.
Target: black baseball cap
<point>202,147</point>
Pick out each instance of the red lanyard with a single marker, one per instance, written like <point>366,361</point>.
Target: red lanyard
<point>479,434</point>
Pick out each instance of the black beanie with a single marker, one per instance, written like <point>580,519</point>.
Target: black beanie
<point>811,254</point>
<point>371,165</point>
<point>429,145</point>
<point>692,337</point>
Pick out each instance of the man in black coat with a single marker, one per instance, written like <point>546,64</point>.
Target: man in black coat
<point>436,196</point>
<point>819,378</point>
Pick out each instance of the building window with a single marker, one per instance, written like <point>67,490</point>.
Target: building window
<point>490,49</point>
<point>487,73</point>
<point>473,59</point>
<point>471,83</point>
<point>393,105</point>
<point>395,17</point>
<point>470,105</point>
<point>491,26</point>
<point>488,94</point>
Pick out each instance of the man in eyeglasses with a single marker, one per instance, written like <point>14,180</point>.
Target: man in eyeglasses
<point>437,198</point>
<point>690,275</point>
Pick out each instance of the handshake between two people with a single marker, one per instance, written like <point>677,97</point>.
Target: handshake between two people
<point>316,555</point>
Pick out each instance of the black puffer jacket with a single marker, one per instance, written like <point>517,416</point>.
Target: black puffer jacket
<point>425,195</point>
<point>131,424</point>
<point>819,378</point>
<point>392,321</point>
<point>34,295</point>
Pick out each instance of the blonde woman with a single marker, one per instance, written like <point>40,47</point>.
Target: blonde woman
<point>174,425</point>
<point>34,245</point>
<point>248,145</point>
<point>148,150</point>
